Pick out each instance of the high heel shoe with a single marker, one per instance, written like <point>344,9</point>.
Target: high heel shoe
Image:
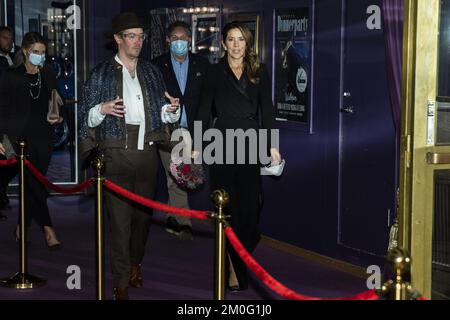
<point>234,288</point>
<point>50,237</point>
<point>16,236</point>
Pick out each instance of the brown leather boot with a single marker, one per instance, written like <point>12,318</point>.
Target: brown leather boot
<point>136,280</point>
<point>121,294</point>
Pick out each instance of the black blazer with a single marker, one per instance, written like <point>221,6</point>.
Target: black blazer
<point>15,100</point>
<point>3,65</point>
<point>197,70</point>
<point>236,103</point>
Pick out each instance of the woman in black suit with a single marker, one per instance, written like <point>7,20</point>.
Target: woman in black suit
<point>239,90</point>
<point>25,90</point>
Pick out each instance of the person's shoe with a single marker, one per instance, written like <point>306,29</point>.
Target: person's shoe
<point>16,235</point>
<point>234,288</point>
<point>50,237</point>
<point>136,280</point>
<point>121,294</point>
<point>183,232</point>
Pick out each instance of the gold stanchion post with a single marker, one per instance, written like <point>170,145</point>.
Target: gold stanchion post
<point>99,166</point>
<point>399,288</point>
<point>220,199</point>
<point>22,280</point>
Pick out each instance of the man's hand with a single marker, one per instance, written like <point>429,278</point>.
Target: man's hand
<point>174,103</point>
<point>194,154</point>
<point>113,108</point>
<point>2,149</point>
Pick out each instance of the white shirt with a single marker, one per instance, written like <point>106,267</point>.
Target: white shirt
<point>133,102</point>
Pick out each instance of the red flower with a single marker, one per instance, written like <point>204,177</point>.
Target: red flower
<point>186,169</point>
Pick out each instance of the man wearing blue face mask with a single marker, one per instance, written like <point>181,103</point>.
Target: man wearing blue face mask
<point>183,74</point>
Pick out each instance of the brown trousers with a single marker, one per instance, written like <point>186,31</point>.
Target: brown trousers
<point>136,171</point>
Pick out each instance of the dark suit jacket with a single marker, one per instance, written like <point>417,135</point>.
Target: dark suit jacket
<point>3,65</point>
<point>197,70</point>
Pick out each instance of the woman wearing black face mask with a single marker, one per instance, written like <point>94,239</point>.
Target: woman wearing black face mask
<point>25,91</point>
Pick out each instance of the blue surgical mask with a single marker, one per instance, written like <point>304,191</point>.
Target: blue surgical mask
<point>179,47</point>
<point>37,59</point>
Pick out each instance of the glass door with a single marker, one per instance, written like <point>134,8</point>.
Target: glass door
<point>59,24</point>
<point>425,146</point>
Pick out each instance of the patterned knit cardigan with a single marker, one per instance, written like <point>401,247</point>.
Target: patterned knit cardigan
<point>105,84</point>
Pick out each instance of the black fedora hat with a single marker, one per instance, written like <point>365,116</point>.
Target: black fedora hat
<point>124,21</point>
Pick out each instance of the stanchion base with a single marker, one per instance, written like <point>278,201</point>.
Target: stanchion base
<point>23,281</point>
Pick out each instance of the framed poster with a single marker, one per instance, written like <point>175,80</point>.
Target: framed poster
<point>252,22</point>
<point>292,64</point>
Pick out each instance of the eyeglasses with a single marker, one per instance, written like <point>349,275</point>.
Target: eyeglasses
<point>134,36</point>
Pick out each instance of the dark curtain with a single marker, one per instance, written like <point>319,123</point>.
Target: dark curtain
<point>393,33</point>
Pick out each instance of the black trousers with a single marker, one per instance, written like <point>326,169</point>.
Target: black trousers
<point>39,152</point>
<point>135,171</point>
<point>6,175</point>
<point>243,183</point>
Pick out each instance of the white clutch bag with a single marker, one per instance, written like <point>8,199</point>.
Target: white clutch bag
<point>8,147</point>
<point>276,170</point>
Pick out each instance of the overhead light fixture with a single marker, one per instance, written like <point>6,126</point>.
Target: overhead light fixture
<point>201,10</point>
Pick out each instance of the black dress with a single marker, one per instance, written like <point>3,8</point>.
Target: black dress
<point>238,104</point>
<point>24,106</point>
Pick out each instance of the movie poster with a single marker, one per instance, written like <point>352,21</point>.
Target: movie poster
<point>292,44</point>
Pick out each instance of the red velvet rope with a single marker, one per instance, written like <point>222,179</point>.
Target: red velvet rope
<point>274,284</point>
<point>202,215</point>
<point>42,179</point>
<point>9,162</point>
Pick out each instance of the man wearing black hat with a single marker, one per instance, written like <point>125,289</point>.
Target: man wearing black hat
<point>122,111</point>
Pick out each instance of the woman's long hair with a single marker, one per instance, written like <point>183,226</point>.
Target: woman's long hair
<point>251,62</point>
<point>28,41</point>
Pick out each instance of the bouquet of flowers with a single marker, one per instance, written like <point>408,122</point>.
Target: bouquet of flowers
<point>186,175</point>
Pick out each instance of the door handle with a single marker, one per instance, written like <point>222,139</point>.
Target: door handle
<point>438,158</point>
<point>349,110</point>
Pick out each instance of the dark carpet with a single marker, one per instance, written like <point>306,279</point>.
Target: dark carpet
<point>172,269</point>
